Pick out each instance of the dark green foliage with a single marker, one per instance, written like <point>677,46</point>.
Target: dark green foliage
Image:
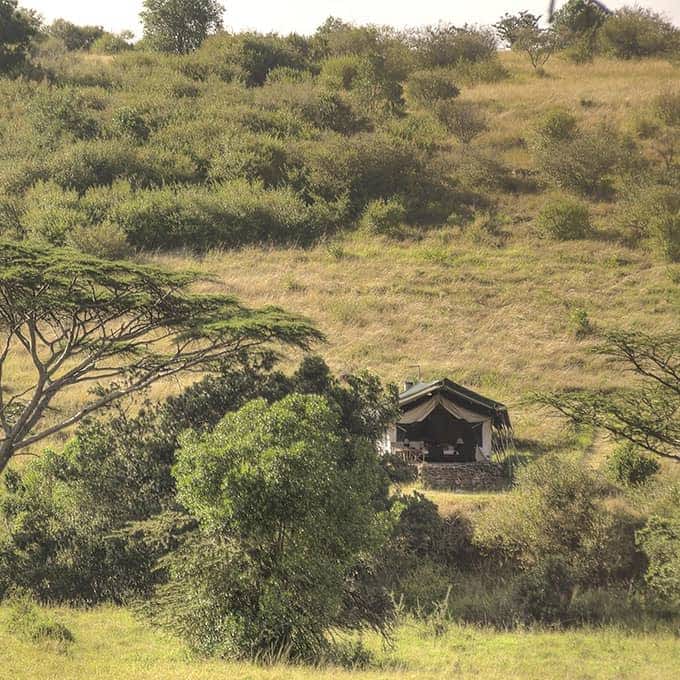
<point>577,24</point>
<point>17,29</point>
<point>180,26</point>
<point>634,32</point>
<point>564,218</point>
<point>73,36</point>
<point>659,539</point>
<point>628,465</point>
<point>286,502</point>
<point>384,216</point>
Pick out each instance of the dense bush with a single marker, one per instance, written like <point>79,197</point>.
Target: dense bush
<point>637,32</point>
<point>564,218</point>
<point>556,515</point>
<point>427,87</point>
<point>585,162</point>
<point>462,119</point>
<point>384,216</point>
<point>652,213</point>
<point>262,577</point>
<point>448,45</point>
<point>630,466</point>
<point>659,540</point>
<point>66,517</point>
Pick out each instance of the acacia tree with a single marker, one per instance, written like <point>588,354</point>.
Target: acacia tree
<point>180,26</point>
<point>647,415</point>
<point>539,44</point>
<point>509,26</point>
<point>116,327</point>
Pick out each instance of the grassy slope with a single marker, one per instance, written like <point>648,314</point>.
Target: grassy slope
<point>110,644</point>
<point>497,319</point>
<point>494,318</point>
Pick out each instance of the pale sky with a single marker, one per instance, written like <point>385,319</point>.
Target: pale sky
<point>303,16</point>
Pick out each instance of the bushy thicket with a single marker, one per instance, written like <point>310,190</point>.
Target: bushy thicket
<point>66,516</point>
<point>256,138</point>
<point>250,138</point>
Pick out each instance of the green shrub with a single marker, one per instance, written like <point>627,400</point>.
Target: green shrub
<point>659,540</point>
<point>429,86</point>
<point>110,43</point>
<point>653,213</point>
<point>557,125</point>
<point>543,592</point>
<point>580,323</point>
<point>61,111</point>
<point>462,119</point>
<point>638,32</point>
<point>448,45</point>
<point>384,216</point>
<point>265,577</point>
<point>628,465</point>
<point>50,212</point>
<point>255,157</point>
<point>586,163</point>
<point>105,240</point>
<point>84,165</point>
<point>564,218</point>
<point>556,514</point>
<point>129,122</point>
<point>666,106</point>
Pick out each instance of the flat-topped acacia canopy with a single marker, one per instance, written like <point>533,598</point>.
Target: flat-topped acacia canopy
<point>118,326</point>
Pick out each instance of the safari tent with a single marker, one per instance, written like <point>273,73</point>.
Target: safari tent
<point>441,421</point>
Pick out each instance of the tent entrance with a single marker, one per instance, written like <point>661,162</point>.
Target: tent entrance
<point>445,437</point>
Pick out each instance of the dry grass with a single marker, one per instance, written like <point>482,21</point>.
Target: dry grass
<point>496,319</point>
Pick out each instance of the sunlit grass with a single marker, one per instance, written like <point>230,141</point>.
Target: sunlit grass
<point>110,644</point>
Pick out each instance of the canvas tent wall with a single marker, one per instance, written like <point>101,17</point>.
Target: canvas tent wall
<point>447,415</point>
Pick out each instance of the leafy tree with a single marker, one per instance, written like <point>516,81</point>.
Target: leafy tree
<point>73,36</point>
<point>180,26</point>
<point>634,32</point>
<point>17,29</point>
<point>539,44</point>
<point>647,415</point>
<point>114,326</point>
<point>285,499</point>
<point>578,24</point>
<point>510,26</point>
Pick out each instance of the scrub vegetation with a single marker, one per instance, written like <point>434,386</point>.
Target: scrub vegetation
<point>210,500</point>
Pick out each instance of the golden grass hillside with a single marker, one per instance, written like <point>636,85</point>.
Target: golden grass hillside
<point>499,315</point>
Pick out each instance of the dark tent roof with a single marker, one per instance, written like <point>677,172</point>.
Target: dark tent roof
<point>459,395</point>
